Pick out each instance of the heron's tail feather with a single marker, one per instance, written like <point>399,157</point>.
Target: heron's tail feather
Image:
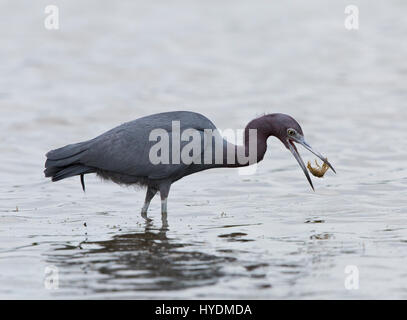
<point>71,171</point>
<point>66,153</point>
<point>65,162</point>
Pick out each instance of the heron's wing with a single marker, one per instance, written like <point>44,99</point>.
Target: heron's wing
<point>126,150</point>
<point>119,150</point>
<point>190,151</point>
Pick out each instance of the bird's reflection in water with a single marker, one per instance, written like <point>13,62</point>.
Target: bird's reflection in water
<point>148,260</point>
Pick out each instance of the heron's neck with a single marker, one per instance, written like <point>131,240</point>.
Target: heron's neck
<point>255,137</point>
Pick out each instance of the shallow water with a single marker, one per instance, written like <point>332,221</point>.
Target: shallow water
<point>230,236</point>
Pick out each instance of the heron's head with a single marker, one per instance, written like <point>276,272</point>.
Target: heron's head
<point>289,132</point>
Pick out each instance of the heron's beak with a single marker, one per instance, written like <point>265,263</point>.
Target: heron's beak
<point>297,156</point>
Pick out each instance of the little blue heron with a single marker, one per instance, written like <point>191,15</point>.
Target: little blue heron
<point>122,153</point>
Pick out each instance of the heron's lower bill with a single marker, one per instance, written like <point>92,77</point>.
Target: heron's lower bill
<point>297,157</point>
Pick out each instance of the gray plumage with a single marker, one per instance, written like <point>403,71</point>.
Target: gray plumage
<point>122,153</point>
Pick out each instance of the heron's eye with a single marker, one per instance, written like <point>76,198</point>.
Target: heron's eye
<point>291,132</point>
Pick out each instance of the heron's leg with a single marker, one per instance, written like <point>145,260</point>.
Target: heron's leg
<point>149,196</point>
<point>164,190</point>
